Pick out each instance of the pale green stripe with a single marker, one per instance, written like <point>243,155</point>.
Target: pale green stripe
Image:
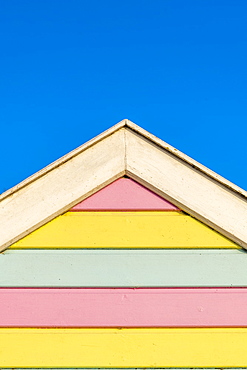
<point>123,268</point>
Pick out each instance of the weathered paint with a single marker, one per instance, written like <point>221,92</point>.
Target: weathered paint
<point>187,186</point>
<point>124,195</point>
<point>59,186</point>
<point>124,230</point>
<point>171,174</point>
<point>221,307</point>
<point>123,268</point>
<point>153,347</point>
<point>123,347</point>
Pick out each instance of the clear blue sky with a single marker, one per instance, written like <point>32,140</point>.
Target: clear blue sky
<point>72,68</point>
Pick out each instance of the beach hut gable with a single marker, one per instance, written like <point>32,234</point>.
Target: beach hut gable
<point>124,150</point>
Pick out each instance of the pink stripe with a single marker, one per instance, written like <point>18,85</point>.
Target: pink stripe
<point>124,195</point>
<point>162,307</point>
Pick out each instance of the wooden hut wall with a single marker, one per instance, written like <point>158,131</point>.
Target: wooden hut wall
<point>123,280</point>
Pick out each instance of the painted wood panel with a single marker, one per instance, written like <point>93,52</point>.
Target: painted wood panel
<point>124,195</point>
<point>199,191</point>
<point>123,347</point>
<point>225,307</point>
<point>124,230</point>
<point>123,268</point>
<point>221,204</point>
<point>60,186</point>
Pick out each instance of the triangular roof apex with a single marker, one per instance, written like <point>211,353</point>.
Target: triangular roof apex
<point>139,155</point>
<point>126,123</point>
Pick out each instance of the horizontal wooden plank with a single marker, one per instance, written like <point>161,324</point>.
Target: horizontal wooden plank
<point>142,307</point>
<point>124,195</point>
<point>123,347</point>
<point>124,230</point>
<point>123,268</point>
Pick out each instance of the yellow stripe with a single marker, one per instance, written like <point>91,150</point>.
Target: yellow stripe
<point>124,230</point>
<point>123,347</point>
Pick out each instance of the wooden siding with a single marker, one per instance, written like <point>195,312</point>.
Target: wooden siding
<point>124,230</point>
<point>146,288</point>
<point>123,268</point>
<point>138,154</point>
<point>154,307</point>
<point>123,347</point>
<point>125,195</point>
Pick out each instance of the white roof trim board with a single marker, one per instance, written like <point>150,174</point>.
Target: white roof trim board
<point>124,149</point>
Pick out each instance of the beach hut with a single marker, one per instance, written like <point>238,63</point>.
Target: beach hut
<point>124,253</point>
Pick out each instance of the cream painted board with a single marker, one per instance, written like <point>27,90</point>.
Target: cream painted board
<point>186,187</point>
<point>185,158</point>
<point>60,189</point>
